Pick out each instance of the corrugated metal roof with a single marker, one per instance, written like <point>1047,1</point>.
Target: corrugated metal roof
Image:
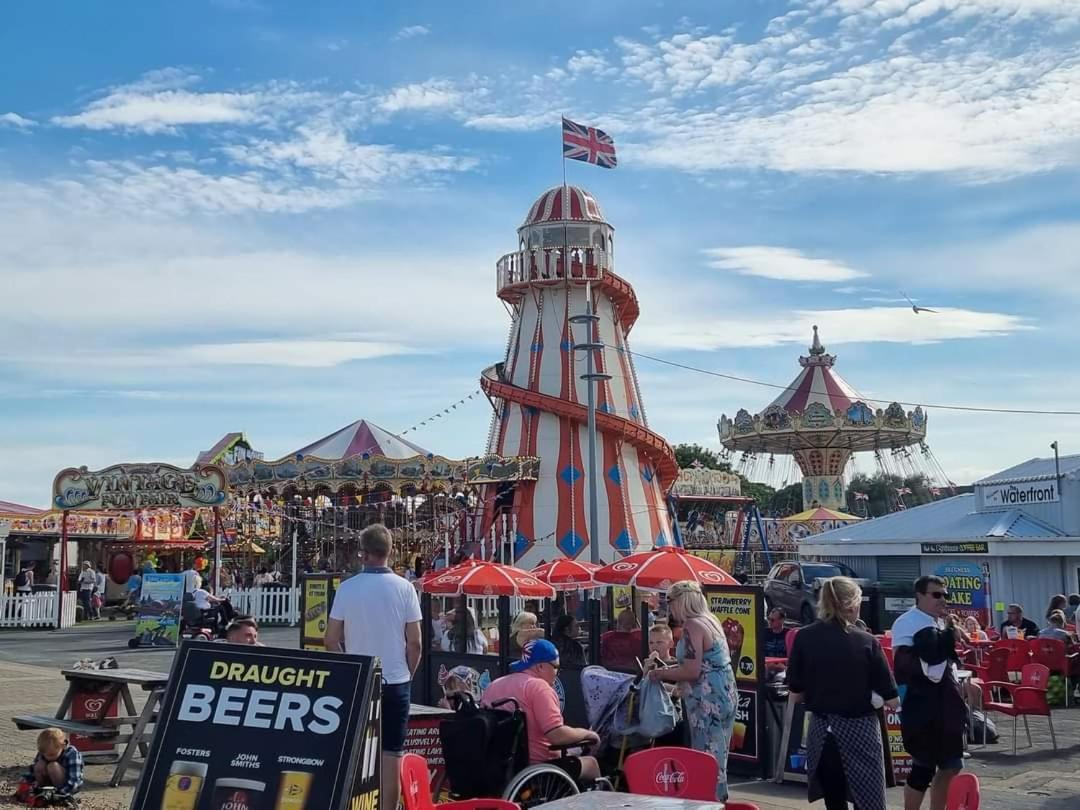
<point>1035,469</point>
<point>949,519</point>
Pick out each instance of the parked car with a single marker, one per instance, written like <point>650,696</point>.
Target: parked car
<point>794,586</point>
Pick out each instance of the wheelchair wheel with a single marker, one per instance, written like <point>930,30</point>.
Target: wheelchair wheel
<point>539,784</point>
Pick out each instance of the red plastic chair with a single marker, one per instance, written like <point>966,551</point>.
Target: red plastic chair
<point>416,790</point>
<point>889,656</point>
<point>1028,698</point>
<point>963,792</point>
<point>620,649</point>
<point>740,806</point>
<point>1019,653</point>
<point>995,667</point>
<point>677,773</point>
<point>1051,653</point>
<point>789,639</point>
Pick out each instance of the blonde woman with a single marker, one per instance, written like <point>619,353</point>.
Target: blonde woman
<point>705,667</point>
<point>836,669</point>
<point>524,629</point>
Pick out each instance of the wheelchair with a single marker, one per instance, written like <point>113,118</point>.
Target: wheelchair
<point>487,754</point>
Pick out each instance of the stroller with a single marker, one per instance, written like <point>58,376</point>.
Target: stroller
<point>629,714</point>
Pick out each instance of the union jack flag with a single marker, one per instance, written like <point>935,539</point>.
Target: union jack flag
<point>935,491</point>
<point>903,491</point>
<point>588,144</point>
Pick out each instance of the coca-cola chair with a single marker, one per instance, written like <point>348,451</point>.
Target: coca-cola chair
<point>676,773</point>
<point>416,790</point>
<point>1051,653</point>
<point>1019,653</point>
<point>1027,698</point>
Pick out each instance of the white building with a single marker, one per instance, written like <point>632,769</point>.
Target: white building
<point>1020,530</point>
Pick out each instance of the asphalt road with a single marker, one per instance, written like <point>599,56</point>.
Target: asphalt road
<point>97,640</point>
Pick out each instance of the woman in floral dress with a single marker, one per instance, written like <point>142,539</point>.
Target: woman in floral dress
<point>705,669</point>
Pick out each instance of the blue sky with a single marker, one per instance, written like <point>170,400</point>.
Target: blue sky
<point>281,217</point>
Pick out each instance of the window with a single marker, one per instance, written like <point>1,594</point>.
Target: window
<point>824,572</point>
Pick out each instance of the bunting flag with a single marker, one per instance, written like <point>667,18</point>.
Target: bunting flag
<point>861,496</point>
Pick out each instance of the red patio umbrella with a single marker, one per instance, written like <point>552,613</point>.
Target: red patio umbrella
<point>659,569</point>
<point>484,578</point>
<point>566,575</point>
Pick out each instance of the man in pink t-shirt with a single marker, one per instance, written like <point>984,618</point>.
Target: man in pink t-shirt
<point>531,684</point>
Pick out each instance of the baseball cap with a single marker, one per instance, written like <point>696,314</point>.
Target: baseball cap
<point>537,651</point>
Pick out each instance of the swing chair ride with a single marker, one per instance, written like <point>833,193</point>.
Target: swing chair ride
<point>817,425</point>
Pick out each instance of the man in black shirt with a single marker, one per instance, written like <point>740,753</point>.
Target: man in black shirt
<point>1015,619</point>
<point>775,638</point>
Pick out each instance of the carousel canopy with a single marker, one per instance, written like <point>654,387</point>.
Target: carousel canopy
<point>362,438</point>
<point>9,508</point>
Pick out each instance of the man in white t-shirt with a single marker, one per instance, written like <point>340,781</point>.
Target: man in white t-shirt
<point>192,580</point>
<point>377,613</point>
<point>933,713</point>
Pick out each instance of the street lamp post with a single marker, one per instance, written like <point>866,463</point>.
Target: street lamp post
<point>1057,483</point>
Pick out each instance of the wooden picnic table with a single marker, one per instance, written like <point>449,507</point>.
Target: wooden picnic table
<point>117,683</point>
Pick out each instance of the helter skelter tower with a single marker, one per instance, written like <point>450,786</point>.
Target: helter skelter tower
<point>566,253</point>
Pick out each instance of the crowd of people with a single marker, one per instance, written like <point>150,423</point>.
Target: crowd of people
<point>835,666</point>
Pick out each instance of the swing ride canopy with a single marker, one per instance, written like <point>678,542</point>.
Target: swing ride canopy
<point>820,409</point>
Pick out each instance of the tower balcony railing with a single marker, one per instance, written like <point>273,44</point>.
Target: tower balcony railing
<point>550,264</point>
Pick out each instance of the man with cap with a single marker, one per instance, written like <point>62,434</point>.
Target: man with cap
<point>531,683</point>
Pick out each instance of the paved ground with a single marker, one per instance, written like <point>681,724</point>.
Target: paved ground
<point>1037,779</point>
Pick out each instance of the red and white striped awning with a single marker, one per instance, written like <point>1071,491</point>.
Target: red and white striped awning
<point>817,382</point>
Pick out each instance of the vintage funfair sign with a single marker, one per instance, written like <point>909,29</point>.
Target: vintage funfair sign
<point>139,486</point>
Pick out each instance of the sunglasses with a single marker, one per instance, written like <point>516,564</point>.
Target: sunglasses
<point>939,594</point>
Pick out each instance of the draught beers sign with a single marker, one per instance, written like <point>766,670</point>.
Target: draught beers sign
<point>249,728</point>
<point>139,486</point>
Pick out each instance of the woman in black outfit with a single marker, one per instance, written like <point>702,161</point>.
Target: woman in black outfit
<point>836,669</point>
<point>571,653</point>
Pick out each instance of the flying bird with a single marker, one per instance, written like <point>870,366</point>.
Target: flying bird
<point>915,307</point>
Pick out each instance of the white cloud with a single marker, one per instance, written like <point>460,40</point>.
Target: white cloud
<point>513,122</point>
<point>329,154</point>
<point>411,31</point>
<point>588,62</point>
<point>860,325</point>
<point>160,102</point>
<point>433,94</point>
<point>11,119</point>
<point>778,263</point>
<point>296,353</point>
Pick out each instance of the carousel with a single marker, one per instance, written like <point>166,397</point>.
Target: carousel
<point>818,423</point>
<point>325,493</point>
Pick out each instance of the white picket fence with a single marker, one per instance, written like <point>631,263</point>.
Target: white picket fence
<point>267,605</point>
<point>36,610</point>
